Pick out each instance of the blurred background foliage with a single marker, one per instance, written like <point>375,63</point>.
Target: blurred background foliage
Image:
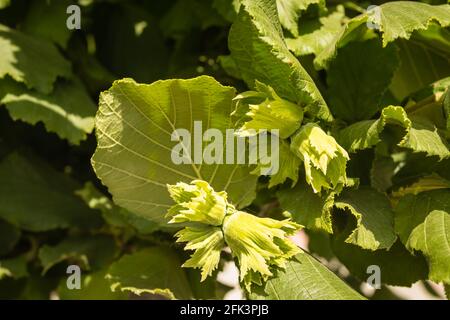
<point>53,209</point>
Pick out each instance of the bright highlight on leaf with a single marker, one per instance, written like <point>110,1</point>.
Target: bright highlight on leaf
<point>324,159</point>
<point>259,244</point>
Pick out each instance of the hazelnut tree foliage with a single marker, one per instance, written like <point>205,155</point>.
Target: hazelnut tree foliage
<point>360,102</point>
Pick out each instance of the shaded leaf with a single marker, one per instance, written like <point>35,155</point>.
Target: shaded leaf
<point>310,209</point>
<point>9,236</point>
<point>91,252</point>
<point>289,12</point>
<point>358,78</point>
<point>374,218</point>
<point>396,19</point>
<point>68,110</point>
<point>260,52</point>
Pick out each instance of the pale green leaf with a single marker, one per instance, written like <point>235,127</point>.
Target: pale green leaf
<point>90,252</point>
<point>26,59</point>
<point>374,218</point>
<point>154,270</point>
<point>68,110</point>
<point>227,8</point>
<point>358,78</point>
<point>305,278</point>
<point>324,159</point>
<point>432,238</point>
<point>398,19</point>
<point>36,197</point>
<point>420,135</point>
<point>134,126</point>
<point>257,46</point>
<point>420,66</point>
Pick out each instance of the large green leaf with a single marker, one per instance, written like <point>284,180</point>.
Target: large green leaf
<point>257,46</point>
<point>374,218</point>
<point>358,78</point>
<point>154,270</point>
<point>432,238</point>
<point>396,19</point>
<point>422,223</point>
<point>420,135</point>
<point>305,278</point>
<point>134,126</point>
<point>36,197</point>
<point>91,252</point>
<point>26,59</point>
<point>68,110</point>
